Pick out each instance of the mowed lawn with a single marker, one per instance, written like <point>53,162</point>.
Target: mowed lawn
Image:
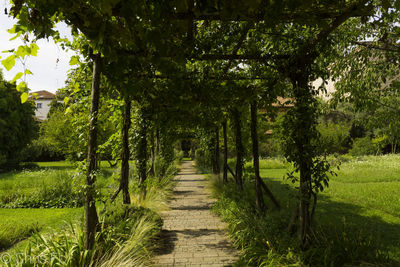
<point>364,197</point>
<point>17,224</point>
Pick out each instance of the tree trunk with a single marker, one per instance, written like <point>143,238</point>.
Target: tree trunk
<point>124,182</point>
<point>157,141</point>
<point>304,133</point>
<point>254,137</point>
<point>91,218</point>
<point>152,155</point>
<point>142,150</point>
<point>239,148</point>
<point>224,126</point>
<point>216,153</point>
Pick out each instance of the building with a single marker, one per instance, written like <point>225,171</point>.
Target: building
<point>42,100</point>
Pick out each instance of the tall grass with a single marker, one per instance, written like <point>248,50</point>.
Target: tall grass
<point>136,251</point>
<point>124,239</point>
<point>157,194</point>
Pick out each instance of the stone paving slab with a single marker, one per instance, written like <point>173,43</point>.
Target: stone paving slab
<point>192,235</point>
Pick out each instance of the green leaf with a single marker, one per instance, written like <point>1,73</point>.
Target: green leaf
<point>24,97</point>
<point>34,48</point>
<point>21,87</point>
<point>9,62</point>
<point>74,60</point>
<point>28,72</point>
<point>66,100</point>
<point>17,76</point>
<point>21,52</point>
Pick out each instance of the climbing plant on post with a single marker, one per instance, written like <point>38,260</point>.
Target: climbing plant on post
<point>125,153</point>
<point>237,124</point>
<point>216,163</point>
<point>91,217</point>
<point>225,135</point>
<point>141,149</point>
<point>254,137</point>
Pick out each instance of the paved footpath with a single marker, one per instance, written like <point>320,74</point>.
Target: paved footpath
<point>192,235</point>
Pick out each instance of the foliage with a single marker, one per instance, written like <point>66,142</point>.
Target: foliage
<point>334,137</point>
<point>59,132</point>
<point>41,149</point>
<point>158,190</point>
<point>275,142</point>
<point>55,185</point>
<point>363,146</point>
<point>17,126</point>
<point>205,151</point>
<point>60,190</point>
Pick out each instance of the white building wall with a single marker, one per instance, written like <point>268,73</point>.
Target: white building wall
<point>42,108</point>
<point>330,88</point>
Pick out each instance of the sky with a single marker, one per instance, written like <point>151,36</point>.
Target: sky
<point>51,65</point>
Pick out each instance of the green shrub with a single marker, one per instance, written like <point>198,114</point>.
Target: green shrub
<point>363,146</point>
<point>60,190</point>
<point>334,137</point>
<point>178,155</point>
<point>42,150</point>
<point>164,168</point>
<point>203,160</point>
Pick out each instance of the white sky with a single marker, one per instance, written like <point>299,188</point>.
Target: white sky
<point>48,73</point>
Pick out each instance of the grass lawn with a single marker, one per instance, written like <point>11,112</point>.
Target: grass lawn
<point>364,197</point>
<point>20,223</point>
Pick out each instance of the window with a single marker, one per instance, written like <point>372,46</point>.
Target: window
<point>39,105</point>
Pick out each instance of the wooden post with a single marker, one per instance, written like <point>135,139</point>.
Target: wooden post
<point>225,176</point>
<point>124,182</point>
<point>239,147</point>
<point>254,137</point>
<point>91,217</point>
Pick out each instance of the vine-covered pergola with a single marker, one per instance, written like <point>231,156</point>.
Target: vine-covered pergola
<point>200,63</point>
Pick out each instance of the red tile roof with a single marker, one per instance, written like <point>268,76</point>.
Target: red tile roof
<point>283,102</point>
<point>43,95</point>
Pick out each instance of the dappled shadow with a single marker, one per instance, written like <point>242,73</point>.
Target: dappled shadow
<point>199,232</point>
<point>168,238</point>
<point>189,173</point>
<point>206,207</point>
<point>190,181</point>
<point>184,192</point>
<point>165,243</point>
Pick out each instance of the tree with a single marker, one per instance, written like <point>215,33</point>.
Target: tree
<point>17,125</point>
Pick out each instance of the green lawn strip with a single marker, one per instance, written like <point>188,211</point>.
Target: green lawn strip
<point>382,196</point>
<point>56,165</point>
<point>19,224</point>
